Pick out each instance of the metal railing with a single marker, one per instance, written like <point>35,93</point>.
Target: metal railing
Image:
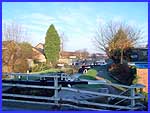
<point>132,97</point>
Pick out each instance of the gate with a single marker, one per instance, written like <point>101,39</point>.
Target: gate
<point>129,94</point>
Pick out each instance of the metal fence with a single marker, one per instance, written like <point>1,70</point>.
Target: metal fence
<point>129,94</point>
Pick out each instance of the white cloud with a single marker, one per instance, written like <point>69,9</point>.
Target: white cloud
<point>133,23</point>
<point>100,20</point>
<point>36,37</point>
<point>31,27</point>
<point>6,21</point>
<point>38,20</point>
<point>141,26</point>
<point>118,19</point>
<point>38,16</point>
<point>75,22</point>
<point>72,16</point>
<point>80,42</point>
<point>66,18</point>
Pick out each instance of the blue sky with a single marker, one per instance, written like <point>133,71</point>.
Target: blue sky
<point>78,21</point>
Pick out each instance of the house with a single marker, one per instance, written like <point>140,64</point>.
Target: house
<point>139,57</point>
<point>67,57</point>
<point>143,78</point>
<point>71,57</point>
<point>38,53</point>
<point>67,54</point>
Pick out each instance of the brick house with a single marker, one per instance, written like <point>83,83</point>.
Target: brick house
<point>38,53</point>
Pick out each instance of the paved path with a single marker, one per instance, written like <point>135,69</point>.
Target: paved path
<point>94,81</point>
<point>65,94</point>
<point>77,75</point>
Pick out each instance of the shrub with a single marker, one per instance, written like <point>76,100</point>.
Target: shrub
<point>21,66</point>
<point>68,70</point>
<point>122,73</point>
<point>40,67</point>
<point>146,96</point>
<point>52,70</point>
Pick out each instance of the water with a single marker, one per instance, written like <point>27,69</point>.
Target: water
<point>141,65</point>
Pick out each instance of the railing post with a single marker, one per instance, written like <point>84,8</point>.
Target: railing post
<point>132,94</point>
<point>61,76</point>
<point>56,89</point>
<point>27,75</point>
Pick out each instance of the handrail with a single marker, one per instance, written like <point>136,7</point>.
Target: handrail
<point>132,96</point>
<point>43,103</point>
<point>30,97</point>
<point>51,75</point>
<point>101,94</point>
<point>55,75</point>
<point>31,86</point>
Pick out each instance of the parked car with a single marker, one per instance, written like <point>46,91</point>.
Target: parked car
<point>101,63</point>
<point>84,69</point>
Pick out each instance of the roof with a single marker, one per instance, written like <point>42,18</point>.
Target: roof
<point>39,50</point>
<point>67,53</point>
<point>40,45</point>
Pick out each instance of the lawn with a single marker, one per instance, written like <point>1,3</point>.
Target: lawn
<point>49,71</point>
<point>90,75</point>
<point>52,70</point>
<point>87,77</point>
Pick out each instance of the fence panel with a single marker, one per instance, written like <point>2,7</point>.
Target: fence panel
<point>58,101</point>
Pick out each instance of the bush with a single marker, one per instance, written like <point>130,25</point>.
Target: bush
<point>133,72</point>
<point>146,96</point>
<point>52,70</point>
<point>40,67</point>
<point>122,73</point>
<point>135,79</point>
<point>68,70</point>
<point>21,66</point>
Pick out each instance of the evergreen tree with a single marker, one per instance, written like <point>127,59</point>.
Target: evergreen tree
<point>52,45</point>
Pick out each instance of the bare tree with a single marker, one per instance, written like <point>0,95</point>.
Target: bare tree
<point>13,34</point>
<point>64,40</point>
<point>14,31</point>
<point>10,55</point>
<point>116,36</point>
<point>15,56</point>
<point>82,53</point>
<point>85,53</point>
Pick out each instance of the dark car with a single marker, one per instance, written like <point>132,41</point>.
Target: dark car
<point>84,69</point>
